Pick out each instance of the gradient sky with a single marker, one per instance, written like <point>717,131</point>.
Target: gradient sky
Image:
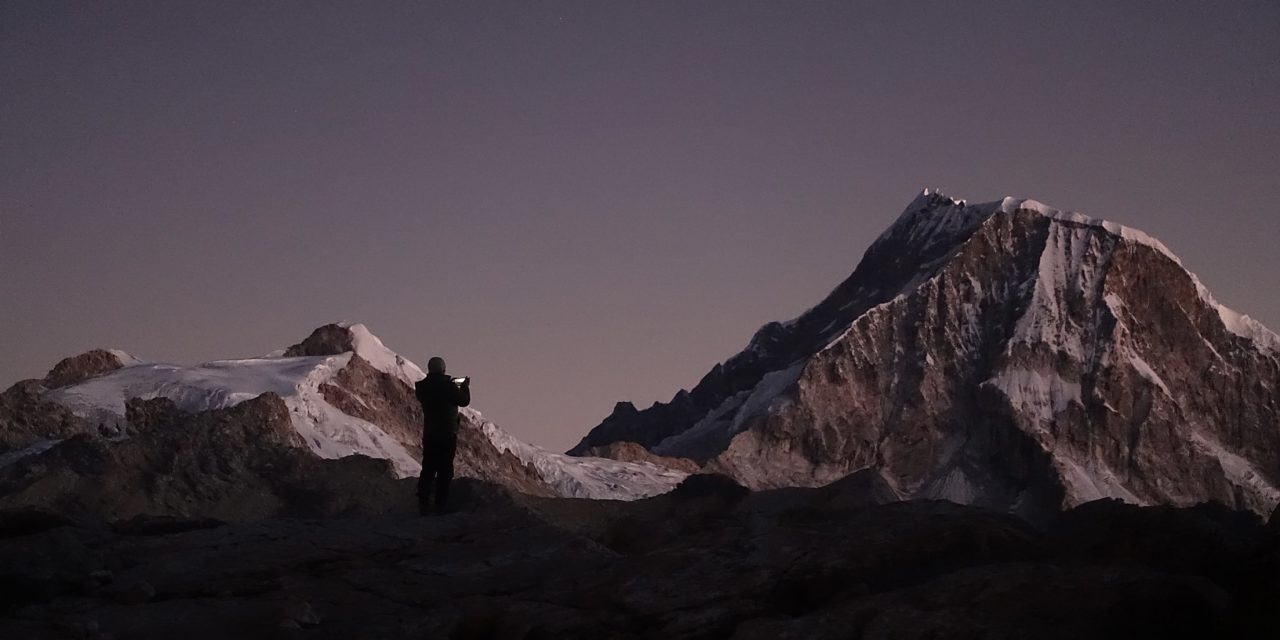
<point>583,202</point>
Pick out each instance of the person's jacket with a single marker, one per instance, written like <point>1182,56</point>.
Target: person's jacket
<point>440,398</point>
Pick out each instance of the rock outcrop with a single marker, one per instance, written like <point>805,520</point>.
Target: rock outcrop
<point>1003,354</point>
<point>360,390</point>
<point>27,419</point>
<point>327,340</point>
<point>92,363</point>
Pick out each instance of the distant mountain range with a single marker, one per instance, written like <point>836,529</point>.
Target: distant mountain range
<point>1004,354</point>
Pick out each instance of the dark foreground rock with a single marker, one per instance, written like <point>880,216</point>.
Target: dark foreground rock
<point>709,560</point>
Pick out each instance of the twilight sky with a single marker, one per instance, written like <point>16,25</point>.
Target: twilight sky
<point>583,202</point>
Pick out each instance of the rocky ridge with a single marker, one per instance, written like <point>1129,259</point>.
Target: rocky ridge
<point>91,363</point>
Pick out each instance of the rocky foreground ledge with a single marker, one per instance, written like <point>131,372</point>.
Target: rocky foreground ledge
<point>709,560</point>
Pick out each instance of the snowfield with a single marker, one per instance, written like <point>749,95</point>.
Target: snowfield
<point>328,432</point>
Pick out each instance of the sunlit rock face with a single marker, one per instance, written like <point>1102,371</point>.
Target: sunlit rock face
<point>1005,354</point>
<point>86,365</point>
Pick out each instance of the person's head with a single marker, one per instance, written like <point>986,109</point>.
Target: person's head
<point>435,365</point>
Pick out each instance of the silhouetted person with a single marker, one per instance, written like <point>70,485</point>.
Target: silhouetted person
<point>440,397</point>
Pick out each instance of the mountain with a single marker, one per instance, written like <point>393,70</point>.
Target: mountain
<point>107,433</point>
<point>1004,354</point>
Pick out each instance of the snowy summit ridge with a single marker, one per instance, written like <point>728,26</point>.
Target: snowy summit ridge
<point>934,217</point>
<point>370,347</point>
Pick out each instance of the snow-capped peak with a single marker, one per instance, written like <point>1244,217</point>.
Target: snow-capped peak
<point>1010,205</point>
<point>929,197</point>
<point>933,218</point>
<point>932,211</point>
<point>370,347</point>
<point>297,376</point>
<point>1087,330</point>
<point>1235,322</point>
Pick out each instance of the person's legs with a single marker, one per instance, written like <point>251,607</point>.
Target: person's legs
<point>424,485</point>
<point>444,472</point>
<point>424,480</point>
<point>431,450</point>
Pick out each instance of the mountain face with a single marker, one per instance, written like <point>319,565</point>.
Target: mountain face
<point>108,434</point>
<point>1004,354</point>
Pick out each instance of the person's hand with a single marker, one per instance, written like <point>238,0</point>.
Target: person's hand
<point>466,382</point>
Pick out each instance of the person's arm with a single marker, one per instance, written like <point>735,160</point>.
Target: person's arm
<point>463,395</point>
